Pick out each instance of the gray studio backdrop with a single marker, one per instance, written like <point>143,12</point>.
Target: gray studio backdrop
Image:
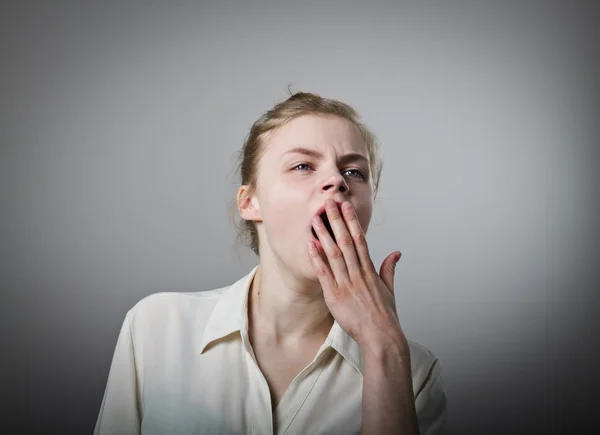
<point>120,127</point>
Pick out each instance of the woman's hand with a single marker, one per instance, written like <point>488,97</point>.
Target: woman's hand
<point>360,299</point>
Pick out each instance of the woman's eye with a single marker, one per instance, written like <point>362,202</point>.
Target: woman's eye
<point>301,166</point>
<point>356,173</point>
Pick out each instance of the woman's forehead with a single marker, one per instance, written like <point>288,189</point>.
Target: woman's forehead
<point>324,133</point>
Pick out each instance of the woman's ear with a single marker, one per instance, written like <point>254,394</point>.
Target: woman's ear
<point>247,204</point>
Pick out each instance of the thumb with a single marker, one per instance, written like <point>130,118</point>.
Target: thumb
<point>388,269</point>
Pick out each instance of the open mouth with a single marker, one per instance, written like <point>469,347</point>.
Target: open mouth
<point>325,220</point>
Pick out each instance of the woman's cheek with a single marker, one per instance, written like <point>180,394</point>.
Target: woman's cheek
<point>364,217</point>
<point>283,209</point>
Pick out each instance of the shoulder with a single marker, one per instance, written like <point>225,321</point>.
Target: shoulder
<point>420,356</point>
<point>424,364</point>
<point>168,309</point>
<point>429,390</point>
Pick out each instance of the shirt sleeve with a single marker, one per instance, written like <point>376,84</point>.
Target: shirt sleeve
<point>430,403</point>
<point>120,409</point>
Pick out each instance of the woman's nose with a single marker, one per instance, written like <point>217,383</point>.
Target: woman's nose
<point>335,183</point>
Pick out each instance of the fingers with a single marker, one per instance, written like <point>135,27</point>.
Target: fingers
<point>388,270</point>
<point>335,256</point>
<point>348,255</point>
<point>343,237</point>
<point>358,236</point>
<point>324,274</point>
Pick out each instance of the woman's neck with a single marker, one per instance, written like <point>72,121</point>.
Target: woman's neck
<point>285,309</point>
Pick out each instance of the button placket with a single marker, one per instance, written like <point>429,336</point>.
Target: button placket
<point>299,389</point>
<point>260,399</point>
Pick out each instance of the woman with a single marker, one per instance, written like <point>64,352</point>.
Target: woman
<point>309,341</point>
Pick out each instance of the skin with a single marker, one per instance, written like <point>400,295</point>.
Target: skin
<point>302,286</point>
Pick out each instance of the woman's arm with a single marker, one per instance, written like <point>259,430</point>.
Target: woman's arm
<point>362,301</point>
<point>388,404</point>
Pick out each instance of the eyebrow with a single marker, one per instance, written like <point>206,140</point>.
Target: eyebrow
<point>351,157</point>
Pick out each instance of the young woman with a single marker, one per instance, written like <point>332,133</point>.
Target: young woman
<point>309,342</point>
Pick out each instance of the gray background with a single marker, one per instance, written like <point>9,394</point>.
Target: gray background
<point>120,127</point>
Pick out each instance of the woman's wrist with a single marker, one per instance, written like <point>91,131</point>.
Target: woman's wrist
<point>391,344</point>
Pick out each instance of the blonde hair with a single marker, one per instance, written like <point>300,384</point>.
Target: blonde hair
<point>298,104</point>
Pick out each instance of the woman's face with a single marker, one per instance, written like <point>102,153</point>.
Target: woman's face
<point>305,162</point>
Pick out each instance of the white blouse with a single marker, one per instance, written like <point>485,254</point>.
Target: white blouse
<point>183,364</point>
